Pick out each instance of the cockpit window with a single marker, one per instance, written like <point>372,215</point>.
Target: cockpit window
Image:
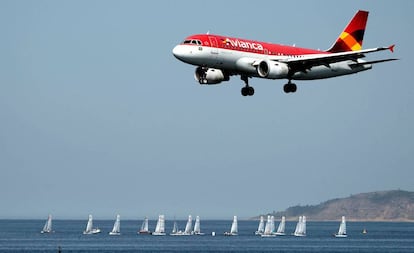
<point>193,42</point>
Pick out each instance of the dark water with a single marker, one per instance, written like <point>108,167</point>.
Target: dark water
<point>24,236</point>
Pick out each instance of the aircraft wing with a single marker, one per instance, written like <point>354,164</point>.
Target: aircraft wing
<point>305,62</point>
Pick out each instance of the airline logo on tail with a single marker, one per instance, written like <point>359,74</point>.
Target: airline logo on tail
<point>351,38</point>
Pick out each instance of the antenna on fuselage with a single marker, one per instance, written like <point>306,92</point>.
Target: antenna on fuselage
<point>208,32</point>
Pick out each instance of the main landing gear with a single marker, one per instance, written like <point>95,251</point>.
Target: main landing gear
<point>246,90</point>
<point>249,91</point>
<point>290,87</point>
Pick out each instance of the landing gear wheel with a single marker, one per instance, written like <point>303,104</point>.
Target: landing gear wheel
<point>250,91</point>
<point>290,87</point>
<point>286,88</point>
<point>246,90</point>
<point>293,88</point>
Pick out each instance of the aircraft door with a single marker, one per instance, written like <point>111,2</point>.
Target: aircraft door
<point>214,45</point>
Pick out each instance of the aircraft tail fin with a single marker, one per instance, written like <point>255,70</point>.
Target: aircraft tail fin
<point>352,36</point>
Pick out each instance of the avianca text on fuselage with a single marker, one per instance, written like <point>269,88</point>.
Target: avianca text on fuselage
<point>244,44</point>
<point>218,57</point>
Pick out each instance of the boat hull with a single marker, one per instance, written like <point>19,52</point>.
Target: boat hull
<point>92,232</point>
<point>299,235</point>
<point>271,235</point>
<point>158,233</point>
<point>340,236</point>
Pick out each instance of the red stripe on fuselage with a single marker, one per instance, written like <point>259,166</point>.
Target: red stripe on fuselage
<point>251,46</point>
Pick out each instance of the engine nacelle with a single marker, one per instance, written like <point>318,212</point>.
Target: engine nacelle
<point>210,76</point>
<point>272,69</point>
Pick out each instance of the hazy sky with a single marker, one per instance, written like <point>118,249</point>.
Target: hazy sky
<point>97,116</point>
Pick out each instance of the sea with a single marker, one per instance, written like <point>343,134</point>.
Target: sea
<point>25,236</point>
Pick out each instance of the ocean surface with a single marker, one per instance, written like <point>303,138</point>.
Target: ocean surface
<point>25,236</point>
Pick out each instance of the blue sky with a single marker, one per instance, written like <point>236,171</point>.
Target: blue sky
<point>98,117</point>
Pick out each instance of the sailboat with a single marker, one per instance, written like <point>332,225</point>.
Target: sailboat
<point>116,230</point>
<point>281,227</point>
<point>175,230</point>
<point>47,228</point>
<point>160,228</point>
<point>234,228</point>
<point>342,229</point>
<point>197,229</point>
<point>269,228</point>
<point>189,226</point>
<point>144,227</point>
<point>300,230</point>
<point>89,227</point>
<point>260,228</point>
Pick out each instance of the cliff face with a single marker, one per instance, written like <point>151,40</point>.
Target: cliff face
<point>375,206</point>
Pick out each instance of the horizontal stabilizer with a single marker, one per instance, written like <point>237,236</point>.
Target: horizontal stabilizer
<point>352,65</point>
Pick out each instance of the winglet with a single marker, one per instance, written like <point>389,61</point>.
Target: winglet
<point>391,48</point>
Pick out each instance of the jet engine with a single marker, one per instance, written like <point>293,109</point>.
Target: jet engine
<point>272,69</point>
<point>210,76</point>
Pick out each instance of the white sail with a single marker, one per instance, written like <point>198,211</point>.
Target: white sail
<point>234,228</point>
<point>160,228</point>
<point>47,228</point>
<point>175,228</point>
<point>89,227</point>
<point>303,231</point>
<point>189,226</point>
<point>272,224</point>
<point>116,230</point>
<point>281,227</point>
<point>269,227</point>
<point>261,227</point>
<point>197,229</point>
<point>157,227</point>
<point>144,227</point>
<point>342,228</point>
<point>300,227</point>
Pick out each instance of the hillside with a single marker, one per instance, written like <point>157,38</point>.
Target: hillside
<point>394,205</point>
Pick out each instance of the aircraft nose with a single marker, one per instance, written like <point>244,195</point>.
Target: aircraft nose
<point>178,52</point>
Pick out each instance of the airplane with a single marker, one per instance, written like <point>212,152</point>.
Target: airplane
<point>219,57</point>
